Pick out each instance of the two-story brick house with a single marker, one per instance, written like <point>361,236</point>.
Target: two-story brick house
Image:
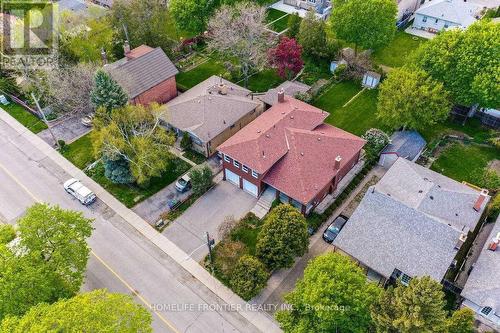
<point>289,149</point>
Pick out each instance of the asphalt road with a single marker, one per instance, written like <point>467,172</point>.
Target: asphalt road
<point>122,260</point>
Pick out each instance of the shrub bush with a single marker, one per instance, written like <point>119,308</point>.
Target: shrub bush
<point>249,277</point>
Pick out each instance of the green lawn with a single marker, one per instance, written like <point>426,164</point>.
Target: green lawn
<point>26,118</point>
<point>264,80</point>
<point>396,54</point>
<point>80,152</point>
<point>466,162</point>
<point>187,80</point>
<point>473,128</point>
<point>279,25</point>
<point>274,14</point>
<point>358,116</point>
<point>131,195</point>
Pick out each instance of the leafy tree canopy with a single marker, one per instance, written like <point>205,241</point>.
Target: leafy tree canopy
<point>95,311</point>
<point>368,24</point>
<point>201,179</point>
<point>249,277</point>
<point>287,58</point>
<point>312,36</point>
<point>134,133</point>
<point>334,295</point>
<point>411,98</point>
<point>282,238</point>
<point>467,63</point>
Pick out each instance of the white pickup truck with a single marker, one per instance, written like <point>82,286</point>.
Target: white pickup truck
<point>83,194</point>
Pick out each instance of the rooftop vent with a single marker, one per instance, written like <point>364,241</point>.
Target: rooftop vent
<point>222,89</point>
<point>301,154</point>
<point>319,139</point>
<point>268,136</point>
<point>291,117</point>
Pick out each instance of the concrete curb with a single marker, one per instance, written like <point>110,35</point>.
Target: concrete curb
<point>261,320</point>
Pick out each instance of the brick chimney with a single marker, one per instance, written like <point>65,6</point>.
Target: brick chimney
<point>494,243</point>
<point>281,96</point>
<point>126,48</point>
<point>480,200</point>
<point>338,159</point>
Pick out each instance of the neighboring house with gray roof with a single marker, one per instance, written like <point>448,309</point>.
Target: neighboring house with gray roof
<point>405,144</point>
<point>435,16</point>
<point>211,112</point>
<point>146,74</point>
<point>411,223</point>
<point>290,88</point>
<point>482,290</point>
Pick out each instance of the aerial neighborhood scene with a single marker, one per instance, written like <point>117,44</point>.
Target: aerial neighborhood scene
<point>297,166</point>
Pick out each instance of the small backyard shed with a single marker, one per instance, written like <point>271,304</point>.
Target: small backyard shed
<point>405,144</point>
<point>371,80</point>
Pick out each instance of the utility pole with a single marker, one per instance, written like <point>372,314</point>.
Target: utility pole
<point>39,109</point>
<point>210,243</point>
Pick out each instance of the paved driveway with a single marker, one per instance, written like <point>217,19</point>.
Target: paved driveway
<point>206,214</point>
<point>68,129</point>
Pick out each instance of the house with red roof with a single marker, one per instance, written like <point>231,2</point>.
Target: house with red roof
<point>291,151</point>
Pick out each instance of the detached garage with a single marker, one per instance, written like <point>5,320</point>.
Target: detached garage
<point>405,144</point>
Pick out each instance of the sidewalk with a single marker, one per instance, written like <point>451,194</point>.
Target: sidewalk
<point>283,281</point>
<point>261,320</point>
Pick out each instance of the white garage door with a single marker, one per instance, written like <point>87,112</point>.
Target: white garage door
<point>250,188</point>
<point>232,177</point>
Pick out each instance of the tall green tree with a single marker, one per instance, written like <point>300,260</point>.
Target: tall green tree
<point>146,22</point>
<point>368,24</point>
<point>48,260</point>
<point>201,178</point>
<point>411,98</point>
<point>312,36</point>
<point>282,237</point>
<point>95,311</point>
<point>467,63</point>
<point>419,307</point>
<point>59,238</point>
<point>293,25</point>
<point>333,296</point>
<point>7,233</point>
<point>191,15</point>
<point>133,133</point>
<point>107,93</point>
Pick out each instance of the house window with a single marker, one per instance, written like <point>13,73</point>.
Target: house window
<point>424,19</point>
<point>255,174</point>
<point>236,164</point>
<point>437,20</point>
<point>232,126</point>
<point>219,154</point>
<point>226,158</point>
<point>486,311</point>
<point>244,168</point>
<point>446,25</point>
<point>405,279</point>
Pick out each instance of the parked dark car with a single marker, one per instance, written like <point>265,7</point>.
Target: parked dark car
<point>334,228</point>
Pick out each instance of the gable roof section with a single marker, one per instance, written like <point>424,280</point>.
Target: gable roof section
<point>431,193</point>
<point>309,164</point>
<point>385,234</point>
<point>406,144</point>
<point>482,286</point>
<point>143,71</point>
<point>204,112</point>
<point>456,11</point>
<point>291,88</point>
<point>261,143</point>
<point>411,220</point>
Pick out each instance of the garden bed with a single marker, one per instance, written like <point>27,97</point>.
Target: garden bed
<point>194,156</point>
<point>26,118</point>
